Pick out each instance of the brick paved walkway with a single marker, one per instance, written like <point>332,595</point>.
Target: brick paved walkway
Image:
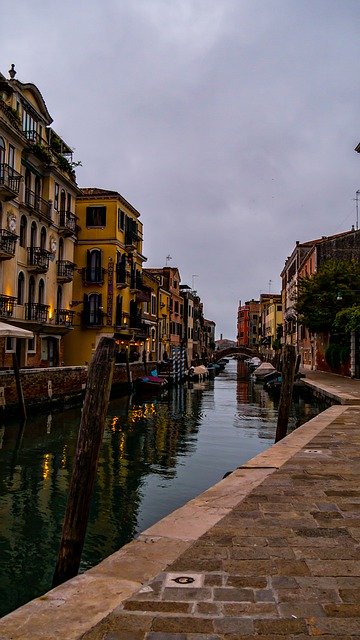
<point>284,563</point>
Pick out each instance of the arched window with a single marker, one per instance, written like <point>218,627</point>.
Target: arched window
<point>31,293</point>
<point>2,154</point>
<point>94,272</point>
<point>23,231</point>
<point>43,238</point>
<point>21,288</point>
<point>33,235</point>
<point>41,292</point>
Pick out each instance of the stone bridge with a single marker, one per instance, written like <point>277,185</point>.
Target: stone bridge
<point>249,352</point>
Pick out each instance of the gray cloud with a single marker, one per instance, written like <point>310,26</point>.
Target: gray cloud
<point>230,125</point>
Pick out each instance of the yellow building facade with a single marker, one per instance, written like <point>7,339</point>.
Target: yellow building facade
<point>108,290</point>
<point>37,226</point>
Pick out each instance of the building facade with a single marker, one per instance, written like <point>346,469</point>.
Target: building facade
<point>108,291</point>
<point>38,226</point>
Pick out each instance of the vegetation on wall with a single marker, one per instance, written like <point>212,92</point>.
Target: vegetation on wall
<point>329,300</point>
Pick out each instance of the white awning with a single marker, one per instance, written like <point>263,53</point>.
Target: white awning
<point>10,331</point>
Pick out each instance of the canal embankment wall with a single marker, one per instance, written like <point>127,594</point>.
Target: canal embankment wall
<point>58,387</point>
<point>75,609</point>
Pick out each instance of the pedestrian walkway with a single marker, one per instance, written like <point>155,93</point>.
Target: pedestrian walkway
<point>270,552</point>
<point>338,388</point>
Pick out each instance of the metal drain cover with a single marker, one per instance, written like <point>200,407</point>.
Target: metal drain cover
<point>194,580</point>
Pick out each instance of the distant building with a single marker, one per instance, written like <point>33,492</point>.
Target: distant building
<point>248,324</point>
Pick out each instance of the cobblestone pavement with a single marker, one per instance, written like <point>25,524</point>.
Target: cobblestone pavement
<point>284,563</point>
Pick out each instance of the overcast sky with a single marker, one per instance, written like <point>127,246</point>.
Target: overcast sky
<point>229,124</point>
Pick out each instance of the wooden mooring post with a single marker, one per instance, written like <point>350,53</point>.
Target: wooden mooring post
<point>288,373</point>
<point>87,452</point>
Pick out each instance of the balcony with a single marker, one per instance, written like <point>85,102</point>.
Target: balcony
<point>131,240</point>
<point>9,182</point>
<point>38,259</point>
<point>93,275</point>
<point>7,244</point>
<point>136,322</point>
<point>67,223</point>
<point>136,284</point>
<point>37,204</point>
<point>7,304</point>
<point>92,317</point>
<point>34,137</point>
<point>64,317</point>
<point>122,277</point>
<point>65,270</point>
<point>36,312</point>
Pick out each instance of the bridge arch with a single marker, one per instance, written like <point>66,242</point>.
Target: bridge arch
<point>249,352</point>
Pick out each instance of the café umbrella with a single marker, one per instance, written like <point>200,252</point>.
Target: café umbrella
<point>10,331</point>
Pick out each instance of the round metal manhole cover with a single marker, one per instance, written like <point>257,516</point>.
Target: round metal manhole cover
<point>183,580</point>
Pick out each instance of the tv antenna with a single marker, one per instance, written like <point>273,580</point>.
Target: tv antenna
<point>270,283</point>
<point>357,208</point>
<point>194,275</point>
<point>168,258</point>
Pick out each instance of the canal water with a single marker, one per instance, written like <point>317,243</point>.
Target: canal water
<point>157,454</point>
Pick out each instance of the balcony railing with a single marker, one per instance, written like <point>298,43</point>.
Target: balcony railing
<point>93,275</point>
<point>136,283</point>
<point>64,317</point>
<point>36,312</point>
<point>38,259</point>
<point>35,138</point>
<point>122,276</point>
<point>7,304</point>
<point>92,317</point>
<point>136,322</point>
<point>67,223</point>
<point>7,244</point>
<point>9,182</point>
<point>131,239</point>
<point>38,204</point>
<point>65,270</point>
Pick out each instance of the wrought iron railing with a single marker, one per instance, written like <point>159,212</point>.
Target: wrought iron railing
<point>10,178</point>
<point>7,242</point>
<point>67,221</point>
<point>36,311</point>
<point>38,204</point>
<point>64,317</point>
<point>7,304</point>
<point>65,269</point>
<point>38,257</point>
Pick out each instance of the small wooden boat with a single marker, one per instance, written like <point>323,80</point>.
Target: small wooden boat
<point>150,384</point>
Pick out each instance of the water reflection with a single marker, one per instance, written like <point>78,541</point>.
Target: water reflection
<point>156,455</point>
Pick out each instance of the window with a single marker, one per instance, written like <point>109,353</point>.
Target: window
<point>43,238</point>
<point>31,344</point>
<point>96,216</point>
<point>11,156</point>
<point>10,346</point>
<point>153,305</point>
<point>176,307</point>
<point>121,220</point>
<point>2,153</point>
<point>41,292</point>
<point>20,288</point>
<point>62,201</point>
<point>94,269</point>
<point>56,196</point>
<point>23,230</point>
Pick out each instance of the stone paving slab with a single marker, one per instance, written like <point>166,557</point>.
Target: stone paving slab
<point>270,552</point>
